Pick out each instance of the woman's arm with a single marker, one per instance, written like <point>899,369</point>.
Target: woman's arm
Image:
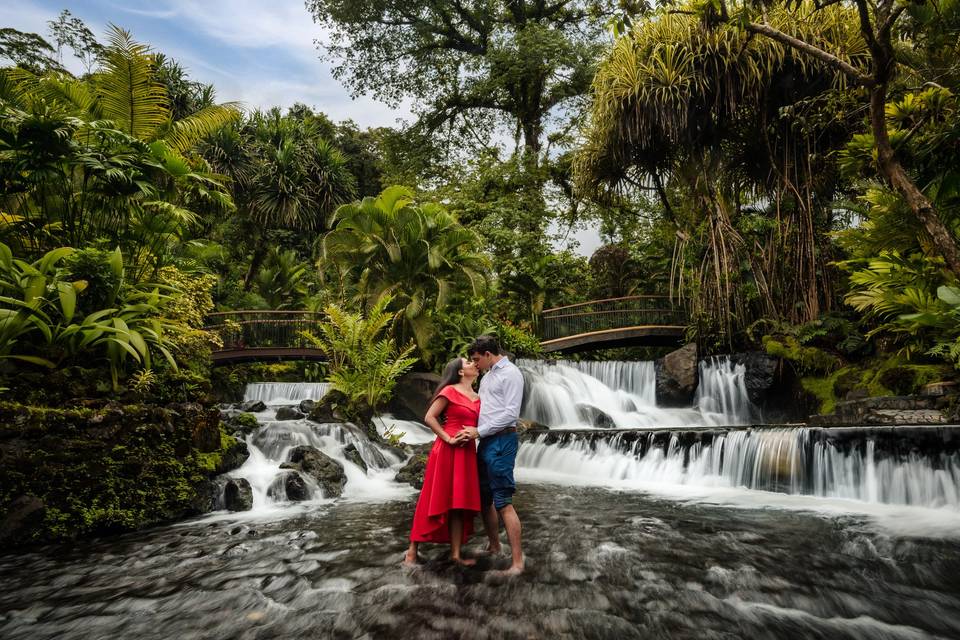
<point>432,419</point>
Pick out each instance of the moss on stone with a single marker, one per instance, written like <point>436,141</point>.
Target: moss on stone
<point>110,469</point>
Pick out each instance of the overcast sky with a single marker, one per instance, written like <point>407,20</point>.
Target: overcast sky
<point>261,53</point>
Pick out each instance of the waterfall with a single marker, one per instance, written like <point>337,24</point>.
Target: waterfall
<point>281,393</point>
<point>612,394</point>
<point>271,444</point>
<point>796,461</point>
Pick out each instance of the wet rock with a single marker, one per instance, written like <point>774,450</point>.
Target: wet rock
<point>677,376</point>
<point>327,472</point>
<point>306,406</point>
<point>296,487</point>
<point>24,515</point>
<point>939,389</point>
<point>289,413</point>
<point>351,453</point>
<point>531,425</point>
<point>233,457</point>
<point>331,408</point>
<point>238,495</point>
<point>761,373</point>
<point>243,423</point>
<point>412,472</point>
<point>595,416</point>
<point>412,394</point>
<point>253,406</point>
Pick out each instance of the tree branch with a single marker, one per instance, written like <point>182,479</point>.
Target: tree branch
<point>827,58</point>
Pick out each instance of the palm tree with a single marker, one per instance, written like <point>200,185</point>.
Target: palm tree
<point>416,253</point>
<point>103,156</point>
<point>284,176</point>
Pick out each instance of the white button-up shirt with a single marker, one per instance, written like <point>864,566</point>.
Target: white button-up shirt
<point>501,394</point>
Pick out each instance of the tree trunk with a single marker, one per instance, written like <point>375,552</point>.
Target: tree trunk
<point>940,236</point>
<point>259,253</point>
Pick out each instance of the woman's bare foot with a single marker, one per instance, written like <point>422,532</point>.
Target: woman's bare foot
<point>464,562</point>
<point>513,571</point>
<point>492,551</point>
<point>410,558</point>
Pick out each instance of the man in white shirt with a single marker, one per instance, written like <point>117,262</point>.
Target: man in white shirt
<point>501,394</point>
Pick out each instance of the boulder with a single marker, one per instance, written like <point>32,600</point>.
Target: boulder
<point>289,413</point>
<point>242,423</point>
<point>233,456</point>
<point>412,472</point>
<point>412,394</point>
<point>351,453</point>
<point>329,409</point>
<point>238,495</point>
<point>595,416</point>
<point>24,515</point>
<point>761,375</point>
<point>306,406</point>
<point>327,472</point>
<point>295,487</point>
<point>253,406</point>
<point>677,376</point>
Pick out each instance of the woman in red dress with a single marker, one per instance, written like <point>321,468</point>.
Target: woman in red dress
<point>450,497</point>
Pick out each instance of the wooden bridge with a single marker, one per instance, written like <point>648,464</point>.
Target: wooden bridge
<point>263,336</point>
<point>614,322</point>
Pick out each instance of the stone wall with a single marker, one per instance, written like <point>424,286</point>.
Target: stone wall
<point>69,472</point>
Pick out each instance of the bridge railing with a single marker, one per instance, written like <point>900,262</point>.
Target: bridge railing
<point>263,329</point>
<point>612,313</point>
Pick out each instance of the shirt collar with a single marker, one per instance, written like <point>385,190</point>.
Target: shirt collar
<point>502,362</point>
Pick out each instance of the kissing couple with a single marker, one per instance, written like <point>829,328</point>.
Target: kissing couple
<point>463,478</point>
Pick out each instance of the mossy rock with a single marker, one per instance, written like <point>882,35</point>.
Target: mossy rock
<point>103,470</point>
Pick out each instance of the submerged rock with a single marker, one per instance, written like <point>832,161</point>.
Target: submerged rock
<point>238,495</point>
<point>327,472</point>
<point>351,453</point>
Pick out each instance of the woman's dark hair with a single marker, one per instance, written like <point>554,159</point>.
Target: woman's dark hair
<point>484,344</point>
<point>451,375</point>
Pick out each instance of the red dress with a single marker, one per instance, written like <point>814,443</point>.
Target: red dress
<point>450,480</point>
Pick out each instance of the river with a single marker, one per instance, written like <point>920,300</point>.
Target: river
<point>621,541</point>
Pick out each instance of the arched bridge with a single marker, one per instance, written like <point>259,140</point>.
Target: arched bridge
<point>614,322</point>
<point>259,336</point>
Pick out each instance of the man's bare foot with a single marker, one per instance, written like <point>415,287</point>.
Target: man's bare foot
<point>410,559</point>
<point>465,562</point>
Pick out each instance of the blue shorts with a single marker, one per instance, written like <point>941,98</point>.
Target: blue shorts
<point>496,456</point>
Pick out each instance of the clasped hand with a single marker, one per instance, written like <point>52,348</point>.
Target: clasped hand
<point>463,436</point>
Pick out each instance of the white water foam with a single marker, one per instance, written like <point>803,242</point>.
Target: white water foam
<point>613,394</point>
<point>285,393</point>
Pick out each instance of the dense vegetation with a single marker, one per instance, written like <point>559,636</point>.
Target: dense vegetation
<point>786,171</point>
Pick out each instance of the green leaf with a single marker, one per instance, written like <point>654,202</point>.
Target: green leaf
<point>43,362</point>
<point>68,299</point>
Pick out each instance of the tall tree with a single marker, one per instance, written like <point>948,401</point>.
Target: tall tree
<point>521,60</point>
<point>879,23</point>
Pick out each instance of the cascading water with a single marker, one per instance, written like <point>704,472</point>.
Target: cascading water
<point>284,393</point>
<point>578,395</point>
<point>270,446</point>
<point>795,461</point>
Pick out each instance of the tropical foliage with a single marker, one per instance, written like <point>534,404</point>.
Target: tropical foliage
<point>364,362</point>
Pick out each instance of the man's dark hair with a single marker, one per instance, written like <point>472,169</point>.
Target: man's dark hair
<point>482,344</point>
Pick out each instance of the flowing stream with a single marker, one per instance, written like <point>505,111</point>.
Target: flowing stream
<point>671,528</point>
